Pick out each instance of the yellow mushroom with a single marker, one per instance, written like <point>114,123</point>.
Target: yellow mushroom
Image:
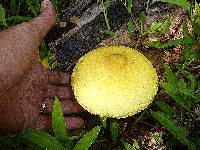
<point>114,81</point>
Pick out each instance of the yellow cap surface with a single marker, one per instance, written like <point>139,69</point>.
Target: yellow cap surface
<point>114,81</point>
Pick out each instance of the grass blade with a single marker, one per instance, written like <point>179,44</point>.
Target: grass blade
<point>17,19</point>
<point>171,78</point>
<point>166,108</point>
<point>13,7</point>
<point>181,3</point>
<point>131,28</point>
<point>114,129</point>
<point>192,79</point>
<point>129,5</point>
<point>86,141</point>
<point>178,97</point>
<point>33,7</point>
<point>180,133</point>
<point>58,124</point>
<point>184,40</point>
<point>165,25</point>
<point>184,89</point>
<point>135,145</point>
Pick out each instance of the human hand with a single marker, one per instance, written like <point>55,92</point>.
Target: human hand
<point>39,85</point>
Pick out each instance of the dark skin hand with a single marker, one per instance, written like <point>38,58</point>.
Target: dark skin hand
<point>25,84</point>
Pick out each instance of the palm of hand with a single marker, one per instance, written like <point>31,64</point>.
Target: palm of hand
<point>43,85</point>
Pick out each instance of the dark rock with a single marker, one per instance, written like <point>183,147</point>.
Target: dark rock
<point>90,28</point>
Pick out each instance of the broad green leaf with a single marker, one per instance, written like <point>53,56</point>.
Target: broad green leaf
<point>181,3</point>
<point>58,124</point>
<point>86,141</point>
<point>171,78</point>
<point>2,16</point>
<point>178,97</point>
<point>180,133</point>
<point>129,5</point>
<point>184,40</point>
<point>114,129</point>
<point>131,27</point>
<point>166,108</point>
<point>42,139</point>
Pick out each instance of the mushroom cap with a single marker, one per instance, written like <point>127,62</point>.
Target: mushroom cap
<point>114,81</point>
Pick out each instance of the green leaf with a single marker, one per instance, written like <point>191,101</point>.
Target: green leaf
<point>166,108</point>
<point>18,19</point>
<point>135,146</point>
<point>178,97</point>
<point>13,7</point>
<point>58,124</point>
<point>154,27</point>
<point>191,78</point>
<point>196,140</point>
<point>103,121</point>
<point>43,50</point>
<point>181,3</point>
<point>187,52</point>
<point>2,15</point>
<point>131,27</point>
<point>171,78</point>
<point>165,25</point>
<point>42,139</point>
<point>86,141</point>
<point>180,133</point>
<point>192,146</point>
<point>107,3</point>
<point>129,5</point>
<point>33,6</point>
<point>109,32</point>
<point>114,129</point>
<point>197,99</point>
<point>157,137</point>
<point>184,89</point>
<point>58,13</point>
<point>184,40</point>
<point>142,17</point>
